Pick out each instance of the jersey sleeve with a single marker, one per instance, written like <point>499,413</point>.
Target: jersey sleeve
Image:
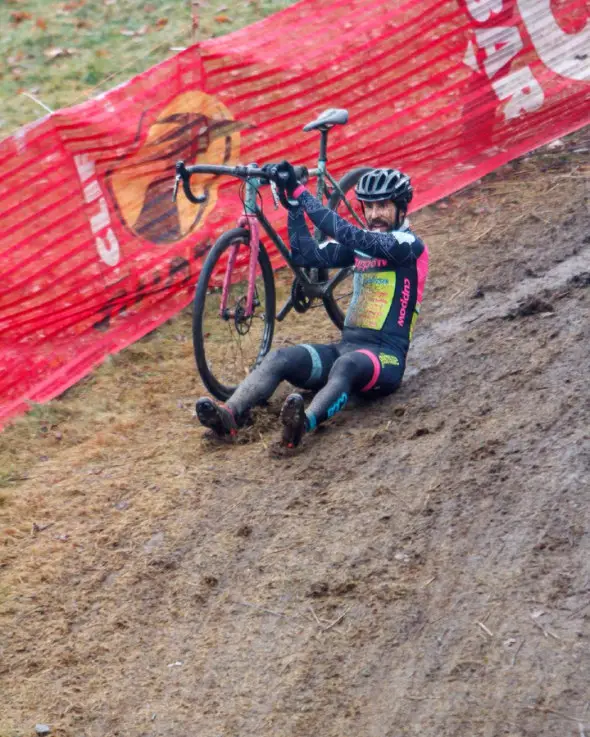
<point>307,252</point>
<point>400,247</point>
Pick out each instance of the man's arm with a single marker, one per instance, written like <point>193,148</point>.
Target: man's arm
<point>306,251</point>
<point>398,247</point>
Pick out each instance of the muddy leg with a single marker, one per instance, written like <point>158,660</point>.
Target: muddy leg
<point>293,364</point>
<point>351,372</point>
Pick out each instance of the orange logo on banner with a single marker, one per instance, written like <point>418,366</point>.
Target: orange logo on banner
<point>194,127</point>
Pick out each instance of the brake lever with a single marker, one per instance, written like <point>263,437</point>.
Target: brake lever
<point>175,190</point>
<point>284,176</point>
<point>275,193</point>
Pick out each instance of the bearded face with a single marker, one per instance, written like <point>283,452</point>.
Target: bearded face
<point>381,216</point>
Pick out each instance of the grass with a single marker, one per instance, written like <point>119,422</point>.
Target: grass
<point>62,53</point>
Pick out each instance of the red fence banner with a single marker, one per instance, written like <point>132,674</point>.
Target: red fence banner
<point>94,254</point>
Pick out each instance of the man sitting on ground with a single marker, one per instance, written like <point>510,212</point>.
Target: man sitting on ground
<point>390,265</point>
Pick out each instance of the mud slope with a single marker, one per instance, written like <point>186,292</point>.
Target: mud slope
<point>421,567</point>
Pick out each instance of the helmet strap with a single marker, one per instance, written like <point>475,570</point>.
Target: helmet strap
<point>400,216</point>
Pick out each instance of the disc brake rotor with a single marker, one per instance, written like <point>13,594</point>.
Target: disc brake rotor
<point>241,322</point>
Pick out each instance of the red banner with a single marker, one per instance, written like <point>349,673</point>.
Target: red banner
<point>93,252</point>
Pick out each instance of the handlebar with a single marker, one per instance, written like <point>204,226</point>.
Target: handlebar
<point>184,173</point>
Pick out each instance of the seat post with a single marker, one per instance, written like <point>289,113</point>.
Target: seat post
<point>322,159</point>
<point>323,145</point>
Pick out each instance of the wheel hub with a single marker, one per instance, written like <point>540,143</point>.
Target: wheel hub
<point>241,321</point>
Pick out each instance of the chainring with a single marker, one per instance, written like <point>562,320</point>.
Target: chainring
<point>301,302</point>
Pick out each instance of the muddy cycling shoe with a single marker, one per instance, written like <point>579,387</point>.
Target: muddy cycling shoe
<point>216,417</point>
<point>293,419</point>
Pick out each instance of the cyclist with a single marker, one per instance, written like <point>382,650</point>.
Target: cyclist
<point>390,264</point>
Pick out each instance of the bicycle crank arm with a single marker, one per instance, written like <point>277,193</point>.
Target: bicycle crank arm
<point>285,309</point>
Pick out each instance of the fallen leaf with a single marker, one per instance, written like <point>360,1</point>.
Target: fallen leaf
<point>140,31</point>
<point>55,52</point>
<point>82,23</point>
<point>12,60</point>
<point>41,23</point>
<point>222,18</point>
<point>18,16</point>
<point>161,22</point>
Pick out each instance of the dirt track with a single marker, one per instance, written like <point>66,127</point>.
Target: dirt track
<point>420,567</point>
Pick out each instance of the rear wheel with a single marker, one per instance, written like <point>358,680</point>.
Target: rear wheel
<point>336,303</point>
<point>228,346</point>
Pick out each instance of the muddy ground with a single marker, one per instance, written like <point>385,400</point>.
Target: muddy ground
<point>420,567</point>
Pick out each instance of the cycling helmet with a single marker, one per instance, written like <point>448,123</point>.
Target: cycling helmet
<point>385,184</point>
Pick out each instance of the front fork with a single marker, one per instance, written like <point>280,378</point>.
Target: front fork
<point>251,223</point>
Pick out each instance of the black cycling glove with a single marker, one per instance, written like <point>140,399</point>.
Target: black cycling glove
<point>286,177</point>
<point>283,175</point>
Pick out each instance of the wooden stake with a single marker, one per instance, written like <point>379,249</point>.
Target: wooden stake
<point>195,5</point>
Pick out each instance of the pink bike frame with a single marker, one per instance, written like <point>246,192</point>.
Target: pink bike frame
<point>251,223</point>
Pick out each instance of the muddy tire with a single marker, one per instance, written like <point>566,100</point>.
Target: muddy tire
<point>228,347</point>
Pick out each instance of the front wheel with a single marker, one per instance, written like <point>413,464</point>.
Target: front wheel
<point>336,303</point>
<point>228,342</point>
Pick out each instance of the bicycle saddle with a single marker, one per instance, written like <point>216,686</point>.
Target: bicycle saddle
<point>327,119</point>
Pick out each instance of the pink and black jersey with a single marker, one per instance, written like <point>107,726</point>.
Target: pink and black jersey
<point>389,269</point>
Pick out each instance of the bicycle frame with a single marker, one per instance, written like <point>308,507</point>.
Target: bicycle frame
<point>311,288</point>
<point>253,217</point>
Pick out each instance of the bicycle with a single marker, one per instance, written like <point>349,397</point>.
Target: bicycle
<point>239,261</point>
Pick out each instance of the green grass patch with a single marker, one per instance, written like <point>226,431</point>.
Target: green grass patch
<point>62,53</point>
